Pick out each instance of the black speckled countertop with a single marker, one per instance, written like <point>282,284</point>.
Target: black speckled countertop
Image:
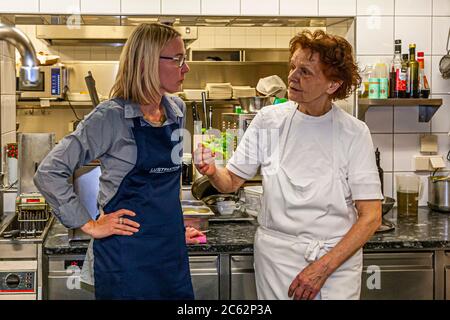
<point>429,230</point>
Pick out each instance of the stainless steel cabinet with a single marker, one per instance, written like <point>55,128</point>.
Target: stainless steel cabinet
<point>395,275</point>
<point>205,277</point>
<point>63,281</point>
<point>243,285</point>
<point>447,276</point>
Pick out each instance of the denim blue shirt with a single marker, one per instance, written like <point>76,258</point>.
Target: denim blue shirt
<point>104,134</point>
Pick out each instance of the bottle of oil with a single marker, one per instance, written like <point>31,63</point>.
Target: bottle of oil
<point>413,72</point>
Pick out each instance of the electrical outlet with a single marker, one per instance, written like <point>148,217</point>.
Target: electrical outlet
<point>422,163</point>
<point>437,162</point>
<point>428,163</point>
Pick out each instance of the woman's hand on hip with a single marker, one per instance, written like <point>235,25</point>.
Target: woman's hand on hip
<point>112,224</point>
<point>204,160</point>
<point>308,282</point>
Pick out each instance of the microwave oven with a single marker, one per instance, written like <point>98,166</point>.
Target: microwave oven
<point>53,79</point>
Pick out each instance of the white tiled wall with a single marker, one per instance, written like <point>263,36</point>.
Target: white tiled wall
<point>184,7</point>
<point>299,8</point>
<point>61,6</point>
<point>375,7</point>
<point>337,8</point>
<point>140,7</point>
<point>396,131</point>
<point>7,99</point>
<point>221,8</point>
<point>260,8</point>
<point>413,7</point>
<point>100,6</point>
<point>19,6</point>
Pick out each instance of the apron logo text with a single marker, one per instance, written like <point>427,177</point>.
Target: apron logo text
<point>164,170</point>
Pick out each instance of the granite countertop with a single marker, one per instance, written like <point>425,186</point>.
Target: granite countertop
<point>429,230</point>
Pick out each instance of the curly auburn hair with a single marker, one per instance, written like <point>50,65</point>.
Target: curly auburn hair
<point>336,58</point>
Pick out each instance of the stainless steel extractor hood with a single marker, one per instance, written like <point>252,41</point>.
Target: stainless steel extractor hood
<point>60,35</point>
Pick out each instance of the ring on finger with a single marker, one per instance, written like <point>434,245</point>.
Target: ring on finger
<point>121,220</point>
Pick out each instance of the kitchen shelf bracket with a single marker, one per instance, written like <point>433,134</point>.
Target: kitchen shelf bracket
<point>427,107</point>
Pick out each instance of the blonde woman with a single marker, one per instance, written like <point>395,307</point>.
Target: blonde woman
<point>140,241</point>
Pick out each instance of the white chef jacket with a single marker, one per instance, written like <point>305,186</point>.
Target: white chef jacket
<point>313,168</point>
<point>308,156</point>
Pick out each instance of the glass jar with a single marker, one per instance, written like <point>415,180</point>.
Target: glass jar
<point>366,73</point>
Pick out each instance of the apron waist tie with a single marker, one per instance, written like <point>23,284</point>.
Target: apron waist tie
<point>313,250</point>
<point>313,246</point>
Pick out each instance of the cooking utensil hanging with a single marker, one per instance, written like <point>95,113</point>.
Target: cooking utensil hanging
<point>444,64</point>
<point>205,111</point>
<point>90,84</point>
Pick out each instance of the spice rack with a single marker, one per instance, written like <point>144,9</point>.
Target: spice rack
<point>427,107</point>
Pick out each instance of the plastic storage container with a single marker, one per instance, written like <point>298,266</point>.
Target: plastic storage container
<point>253,199</point>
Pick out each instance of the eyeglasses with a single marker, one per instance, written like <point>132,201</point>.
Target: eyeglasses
<point>180,60</point>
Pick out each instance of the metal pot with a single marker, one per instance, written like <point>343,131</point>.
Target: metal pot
<point>254,104</point>
<point>202,187</point>
<point>439,193</point>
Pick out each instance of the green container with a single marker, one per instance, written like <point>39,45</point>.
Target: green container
<point>374,88</point>
<point>384,88</point>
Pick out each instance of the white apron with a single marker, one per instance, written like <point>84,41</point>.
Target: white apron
<point>282,250</point>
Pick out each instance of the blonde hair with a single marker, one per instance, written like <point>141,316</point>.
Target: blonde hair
<point>138,75</point>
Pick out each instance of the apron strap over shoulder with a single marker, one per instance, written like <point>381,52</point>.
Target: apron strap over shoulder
<point>137,122</point>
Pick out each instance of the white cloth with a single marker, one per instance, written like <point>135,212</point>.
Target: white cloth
<point>312,172</point>
<point>87,271</point>
<point>272,85</point>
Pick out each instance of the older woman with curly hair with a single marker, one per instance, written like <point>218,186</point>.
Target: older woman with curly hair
<point>321,187</point>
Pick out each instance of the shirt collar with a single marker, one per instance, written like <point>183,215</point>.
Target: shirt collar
<point>133,110</point>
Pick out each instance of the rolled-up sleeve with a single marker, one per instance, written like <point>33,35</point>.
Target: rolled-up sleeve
<point>93,137</point>
<point>363,175</point>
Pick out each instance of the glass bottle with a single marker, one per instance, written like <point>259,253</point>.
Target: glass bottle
<point>413,72</point>
<point>424,88</point>
<point>382,75</point>
<point>405,75</point>
<point>396,68</point>
<point>366,73</point>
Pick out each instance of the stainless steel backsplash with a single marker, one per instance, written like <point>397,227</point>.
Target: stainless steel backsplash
<point>237,73</point>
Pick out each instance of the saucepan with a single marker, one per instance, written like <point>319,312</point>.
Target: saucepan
<point>439,193</point>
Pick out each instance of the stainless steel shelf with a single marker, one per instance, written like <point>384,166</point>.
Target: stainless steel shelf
<point>34,103</point>
<point>212,102</point>
<point>427,107</point>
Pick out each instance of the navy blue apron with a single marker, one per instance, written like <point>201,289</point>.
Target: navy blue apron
<point>153,263</point>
